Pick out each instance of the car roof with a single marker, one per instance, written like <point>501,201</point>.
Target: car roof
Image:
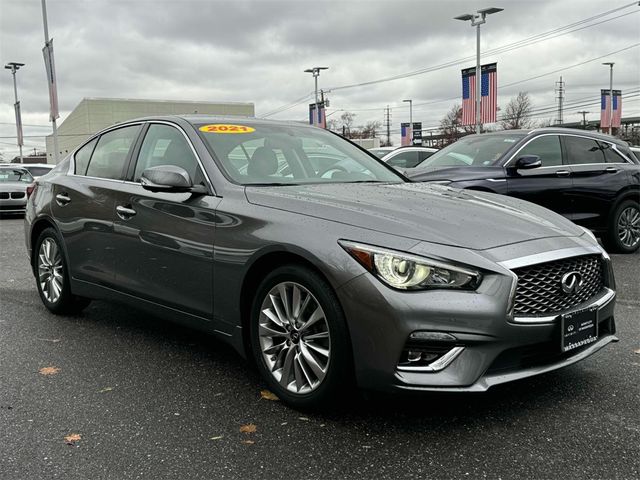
<point>204,118</point>
<point>558,130</point>
<point>13,166</point>
<point>27,165</point>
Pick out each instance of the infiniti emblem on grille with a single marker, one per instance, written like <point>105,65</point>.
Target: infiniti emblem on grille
<point>572,282</point>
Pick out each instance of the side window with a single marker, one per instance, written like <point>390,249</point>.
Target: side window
<point>82,157</point>
<point>423,156</point>
<point>547,148</point>
<point>407,159</point>
<point>165,145</point>
<point>610,155</point>
<point>583,150</point>
<point>110,154</point>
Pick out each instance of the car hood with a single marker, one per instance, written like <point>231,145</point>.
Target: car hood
<point>13,186</point>
<point>422,211</point>
<point>455,174</point>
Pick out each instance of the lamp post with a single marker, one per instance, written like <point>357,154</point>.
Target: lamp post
<point>478,19</point>
<point>315,71</point>
<point>14,67</point>
<point>584,118</point>
<point>611,64</point>
<point>410,119</point>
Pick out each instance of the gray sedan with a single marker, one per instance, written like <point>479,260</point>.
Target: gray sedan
<point>326,276</point>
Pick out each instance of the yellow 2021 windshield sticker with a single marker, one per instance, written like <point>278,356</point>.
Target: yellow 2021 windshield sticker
<point>226,128</point>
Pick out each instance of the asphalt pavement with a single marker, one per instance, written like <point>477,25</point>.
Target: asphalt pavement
<point>138,397</point>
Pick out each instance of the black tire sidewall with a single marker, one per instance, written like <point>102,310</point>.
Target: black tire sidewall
<point>614,244</point>
<point>340,361</point>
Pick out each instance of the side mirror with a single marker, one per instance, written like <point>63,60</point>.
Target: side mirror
<point>527,162</point>
<point>168,178</point>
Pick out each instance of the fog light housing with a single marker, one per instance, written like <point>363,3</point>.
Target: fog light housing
<point>429,352</point>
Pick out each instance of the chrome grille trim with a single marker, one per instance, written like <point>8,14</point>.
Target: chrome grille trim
<point>539,291</point>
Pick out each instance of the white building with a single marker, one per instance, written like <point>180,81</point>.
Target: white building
<point>93,114</point>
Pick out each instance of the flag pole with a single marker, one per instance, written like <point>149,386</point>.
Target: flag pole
<point>53,112</point>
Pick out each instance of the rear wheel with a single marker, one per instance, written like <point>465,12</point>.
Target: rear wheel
<point>299,338</point>
<point>623,235</point>
<point>52,275</point>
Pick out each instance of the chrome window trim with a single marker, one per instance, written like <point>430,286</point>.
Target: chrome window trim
<point>600,302</point>
<point>72,161</point>
<point>550,256</point>
<point>559,134</point>
<point>437,365</point>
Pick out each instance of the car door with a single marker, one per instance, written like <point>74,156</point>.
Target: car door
<point>84,203</point>
<point>547,185</point>
<point>598,175</point>
<point>165,240</point>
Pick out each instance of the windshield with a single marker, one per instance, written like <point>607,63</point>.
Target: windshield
<point>472,151</point>
<point>15,175</point>
<point>258,154</point>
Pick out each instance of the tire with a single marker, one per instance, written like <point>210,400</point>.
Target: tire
<point>52,275</point>
<point>307,367</point>
<point>623,232</point>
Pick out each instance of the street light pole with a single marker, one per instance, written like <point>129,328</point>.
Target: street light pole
<point>478,19</point>
<point>14,67</point>
<point>584,118</point>
<point>611,64</point>
<point>315,71</point>
<point>410,119</point>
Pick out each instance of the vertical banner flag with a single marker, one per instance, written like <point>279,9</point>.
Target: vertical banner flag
<point>49,65</point>
<point>405,134</point>
<point>488,92</point>
<point>417,133</point>
<point>606,107</point>
<point>19,123</point>
<point>317,119</point>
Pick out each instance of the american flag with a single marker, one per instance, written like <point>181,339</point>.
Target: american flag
<point>488,92</point>
<point>605,108</point>
<point>405,134</point>
<point>318,118</point>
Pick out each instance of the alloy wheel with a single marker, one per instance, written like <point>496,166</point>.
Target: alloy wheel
<point>629,226</point>
<point>50,270</point>
<point>294,337</point>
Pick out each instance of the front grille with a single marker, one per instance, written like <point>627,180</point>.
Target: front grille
<point>540,291</point>
<point>16,195</point>
<point>4,195</point>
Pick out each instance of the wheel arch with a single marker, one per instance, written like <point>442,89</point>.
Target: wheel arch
<point>37,228</point>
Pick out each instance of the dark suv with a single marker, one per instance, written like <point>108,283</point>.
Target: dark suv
<point>592,179</point>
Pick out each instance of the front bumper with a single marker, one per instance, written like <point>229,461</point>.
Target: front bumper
<point>11,205</point>
<point>496,347</point>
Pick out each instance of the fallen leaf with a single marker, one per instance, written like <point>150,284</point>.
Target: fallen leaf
<point>637,351</point>
<point>304,419</point>
<point>267,395</point>
<point>49,370</point>
<point>106,389</point>
<point>216,438</point>
<point>248,428</point>
<point>72,438</point>
<point>248,442</point>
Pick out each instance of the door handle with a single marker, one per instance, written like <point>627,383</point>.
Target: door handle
<point>611,169</point>
<point>125,213</point>
<point>62,199</point>
<point>563,173</point>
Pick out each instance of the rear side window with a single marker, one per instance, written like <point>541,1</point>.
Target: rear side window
<point>404,160</point>
<point>583,150</point>
<point>165,145</point>
<point>111,153</point>
<point>83,156</point>
<point>610,155</point>
<point>547,148</point>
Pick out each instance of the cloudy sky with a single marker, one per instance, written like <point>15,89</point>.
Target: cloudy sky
<point>256,51</point>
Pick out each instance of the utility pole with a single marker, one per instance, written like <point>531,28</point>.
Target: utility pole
<point>410,120</point>
<point>560,91</point>
<point>315,71</point>
<point>14,67</point>
<point>51,80</point>
<point>611,64</point>
<point>478,19</point>
<point>387,123</point>
<point>584,119</point>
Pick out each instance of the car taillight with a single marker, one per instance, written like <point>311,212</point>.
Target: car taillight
<point>31,189</point>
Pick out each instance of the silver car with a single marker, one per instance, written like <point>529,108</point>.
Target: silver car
<point>14,183</point>
<point>326,275</point>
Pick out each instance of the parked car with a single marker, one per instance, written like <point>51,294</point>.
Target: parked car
<point>636,152</point>
<point>326,279</point>
<point>408,157</point>
<point>382,151</point>
<point>37,170</point>
<point>14,182</point>
<point>591,179</point>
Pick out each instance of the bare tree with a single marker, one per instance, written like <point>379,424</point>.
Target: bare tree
<point>518,112</point>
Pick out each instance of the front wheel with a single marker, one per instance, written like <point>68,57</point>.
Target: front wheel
<point>623,235</point>
<point>299,338</point>
<point>52,275</point>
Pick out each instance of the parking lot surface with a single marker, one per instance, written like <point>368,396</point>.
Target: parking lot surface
<point>138,397</point>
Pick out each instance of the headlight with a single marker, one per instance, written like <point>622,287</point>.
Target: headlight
<point>411,272</point>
